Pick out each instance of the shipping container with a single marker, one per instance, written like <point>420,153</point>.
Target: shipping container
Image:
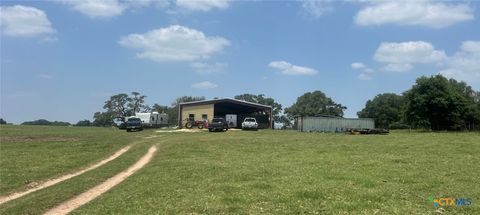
<point>332,124</point>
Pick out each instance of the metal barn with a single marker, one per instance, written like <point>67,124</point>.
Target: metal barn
<point>332,124</point>
<point>232,110</point>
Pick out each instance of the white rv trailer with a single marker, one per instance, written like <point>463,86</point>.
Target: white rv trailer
<point>153,119</point>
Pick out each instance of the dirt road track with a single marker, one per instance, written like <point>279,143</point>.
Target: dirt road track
<point>98,190</point>
<point>54,181</point>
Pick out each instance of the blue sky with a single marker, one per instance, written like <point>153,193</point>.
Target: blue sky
<point>60,60</point>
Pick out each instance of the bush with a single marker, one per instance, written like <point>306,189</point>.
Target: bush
<point>399,125</point>
<point>46,122</point>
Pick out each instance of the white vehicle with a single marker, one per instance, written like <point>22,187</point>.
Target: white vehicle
<point>153,119</point>
<point>249,123</point>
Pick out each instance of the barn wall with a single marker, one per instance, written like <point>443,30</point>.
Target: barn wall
<point>221,107</point>
<point>330,124</point>
<point>198,110</point>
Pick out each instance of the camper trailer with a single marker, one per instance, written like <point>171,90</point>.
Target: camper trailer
<point>153,119</point>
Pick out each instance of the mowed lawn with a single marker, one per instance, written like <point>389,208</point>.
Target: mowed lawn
<point>271,172</point>
<point>32,153</point>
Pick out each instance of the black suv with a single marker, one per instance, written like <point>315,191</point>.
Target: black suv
<point>134,124</point>
<point>218,124</point>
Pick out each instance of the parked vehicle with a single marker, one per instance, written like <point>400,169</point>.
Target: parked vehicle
<point>153,119</point>
<point>250,123</point>
<point>218,124</point>
<point>134,124</point>
<point>190,123</point>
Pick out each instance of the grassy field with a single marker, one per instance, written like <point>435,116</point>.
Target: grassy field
<point>238,172</point>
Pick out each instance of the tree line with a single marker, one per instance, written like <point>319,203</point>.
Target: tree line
<point>434,102</point>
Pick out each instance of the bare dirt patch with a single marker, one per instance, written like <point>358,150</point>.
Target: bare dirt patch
<point>98,190</point>
<point>152,136</point>
<point>37,139</point>
<point>34,186</point>
<point>179,130</point>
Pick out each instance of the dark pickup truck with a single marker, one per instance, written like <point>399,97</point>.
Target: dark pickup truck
<point>218,124</point>
<point>134,124</point>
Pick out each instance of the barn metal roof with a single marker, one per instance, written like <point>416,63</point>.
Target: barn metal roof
<point>235,101</point>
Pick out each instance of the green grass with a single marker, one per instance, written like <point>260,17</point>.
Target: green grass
<point>33,153</point>
<point>42,200</point>
<point>277,172</point>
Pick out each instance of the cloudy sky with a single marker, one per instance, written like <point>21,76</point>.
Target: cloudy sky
<point>60,60</point>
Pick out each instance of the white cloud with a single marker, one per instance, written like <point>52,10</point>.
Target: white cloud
<point>290,69</point>
<point>465,64</point>
<point>316,8</point>
<point>398,67</point>
<point>145,3</point>
<point>414,13</point>
<point>205,68</point>
<point>98,8</point>
<point>174,43</point>
<point>365,71</point>
<point>202,5</point>
<point>204,85</point>
<point>402,56</point>
<point>361,67</point>
<point>358,65</point>
<point>112,8</point>
<point>364,77</point>
<point>45,76</point>
<point>24,21</point>
<point>368,70</point>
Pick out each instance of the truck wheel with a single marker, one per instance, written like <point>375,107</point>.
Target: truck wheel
<point>188,125</point>
<point>128,130</point>
<point>200,126</point>
<point>209,130</point>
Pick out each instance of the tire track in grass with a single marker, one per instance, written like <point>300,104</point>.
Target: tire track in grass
<point>50,182</point>
<point>98,190</point>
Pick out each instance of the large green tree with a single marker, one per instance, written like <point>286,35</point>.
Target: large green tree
<point>385,109</point>
<point>314,104</point>
<point>160,108</point>
<point>46,122</point>
<point>118,106</point>
<point>187,99</point>
<point>122,105</point>
<point>103,119</point>
<point>261,99</point>
<point>136,102</point>
<point>440,104</point>
<point>84,123</point>
<point>472,109</point>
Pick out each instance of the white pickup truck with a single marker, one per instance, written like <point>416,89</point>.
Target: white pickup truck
<point>249,123</point>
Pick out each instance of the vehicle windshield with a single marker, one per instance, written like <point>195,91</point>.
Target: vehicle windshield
<point>217,120</point>
<point>250,120</point>
<point>134,119</point>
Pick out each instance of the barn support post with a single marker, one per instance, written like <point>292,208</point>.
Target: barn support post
<point>271,119</point>
<point>179,116</point>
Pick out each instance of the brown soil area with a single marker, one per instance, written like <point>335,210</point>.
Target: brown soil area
<point>34,186</point>
<point>98,190</point>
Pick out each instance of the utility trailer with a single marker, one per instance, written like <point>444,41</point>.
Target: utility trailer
<point>153,119</point>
